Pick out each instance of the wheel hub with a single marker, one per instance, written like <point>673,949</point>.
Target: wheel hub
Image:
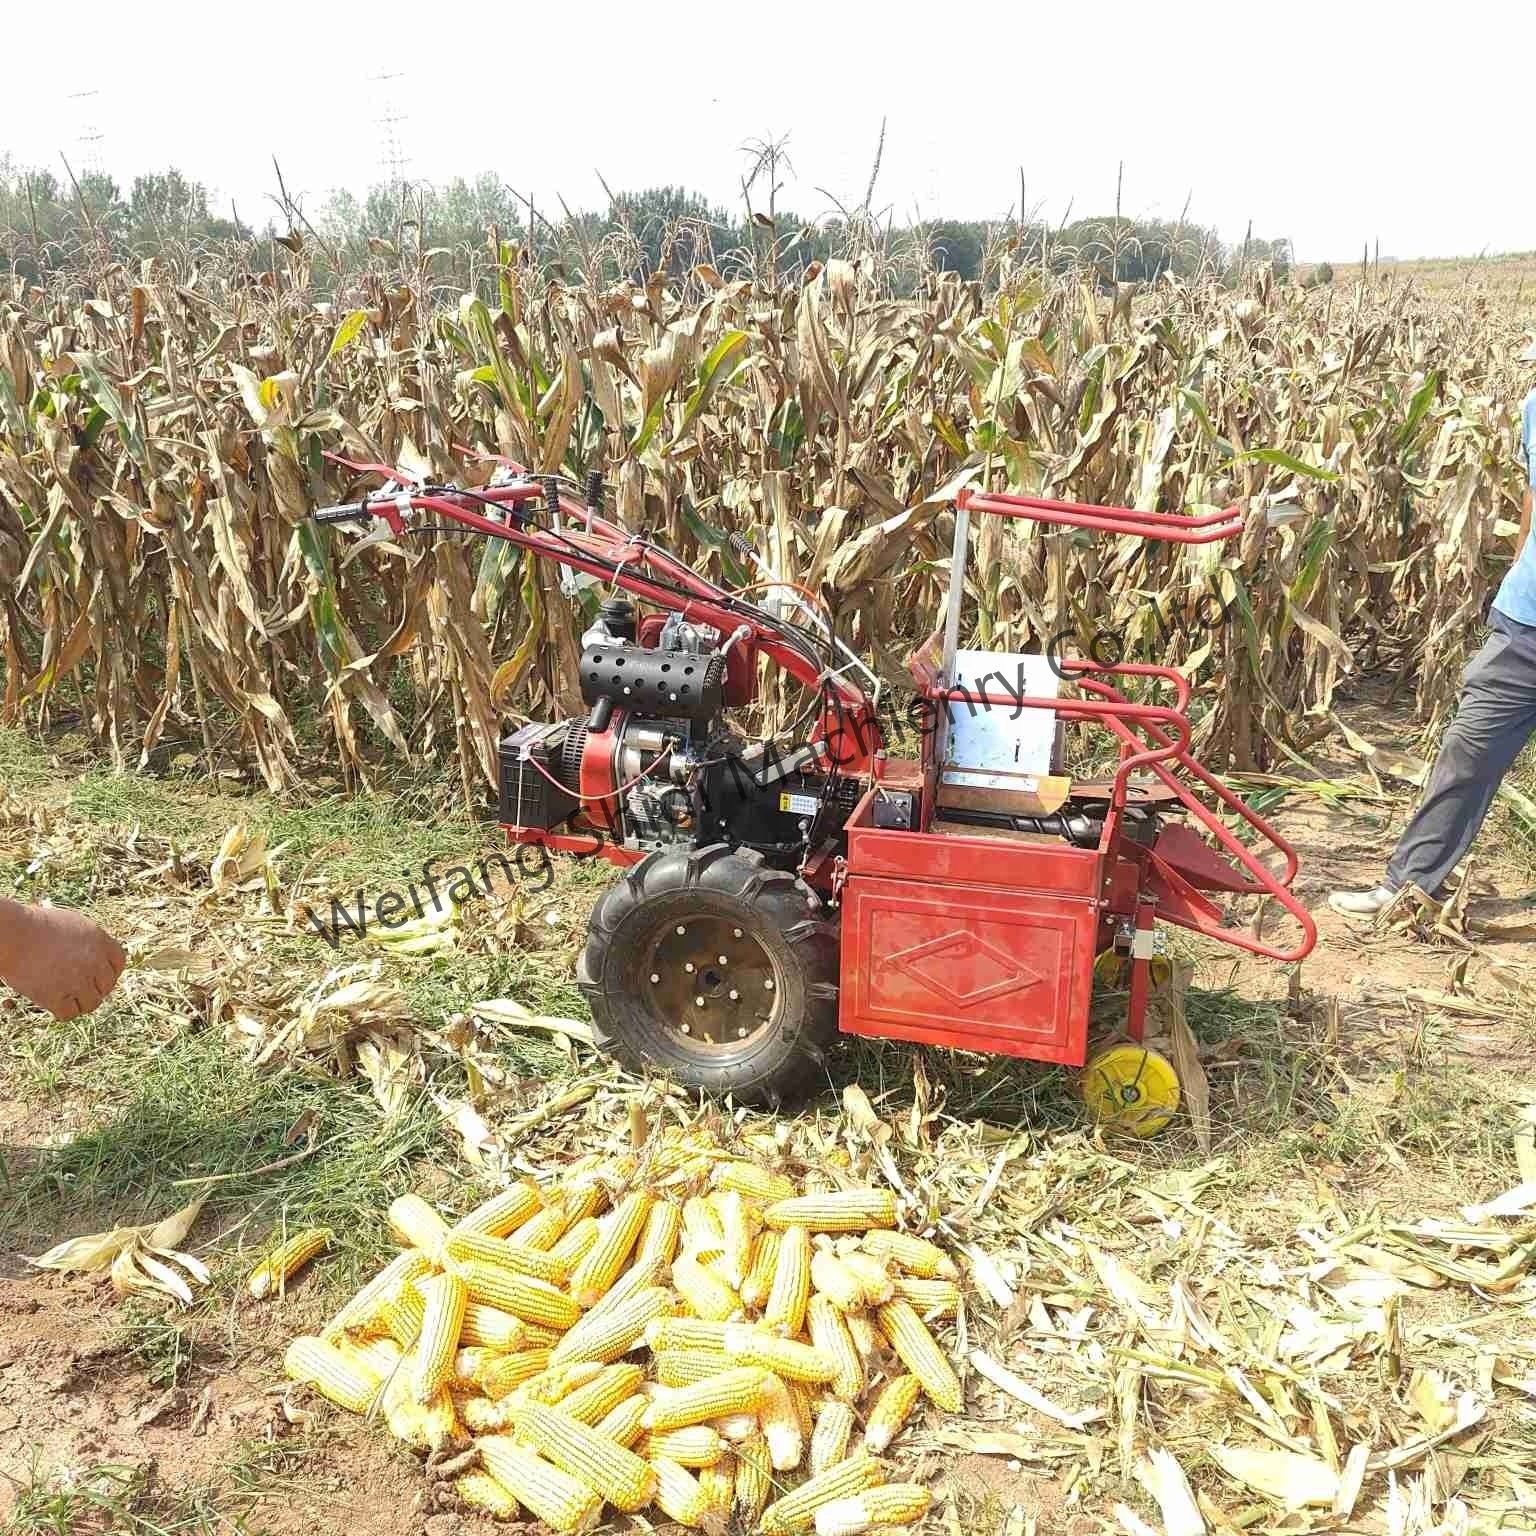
<point>710,983</point>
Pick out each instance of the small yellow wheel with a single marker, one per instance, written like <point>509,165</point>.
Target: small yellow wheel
<point>1112,971</point>
<point>1131,1088</point>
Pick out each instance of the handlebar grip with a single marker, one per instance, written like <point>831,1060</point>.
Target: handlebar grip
<point>346,512</point>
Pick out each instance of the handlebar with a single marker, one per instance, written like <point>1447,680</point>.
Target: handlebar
<point>344,512</point>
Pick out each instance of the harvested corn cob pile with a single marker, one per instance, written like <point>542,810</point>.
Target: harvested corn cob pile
<point>685,1330</point>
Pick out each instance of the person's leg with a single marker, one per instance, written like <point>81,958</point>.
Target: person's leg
<point>1494,719</point>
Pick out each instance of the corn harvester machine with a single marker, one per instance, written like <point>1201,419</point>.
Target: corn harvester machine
<point>966,895</point>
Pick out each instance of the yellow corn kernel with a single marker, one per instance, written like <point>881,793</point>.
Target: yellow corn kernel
<point>683,1367</point>
<point>588,1197</point>
<point>617,1331</point>
<point>780,1419</point>
<point>785,1309</point>
<point>893,1407</point>
<point>894,1504</point>
<point>621,1477</point>
<point>622,1422</point>
<point>547,1225</point>
<point>830,1335</point>
<point>733,1391</point>
<point>704,1292</point>
<point>719,1484</point>
<point>784,1357</point>
<point>685,1333</point>
<point>754,1481</point>
<point>444,1316</point>
<point>759,1281</point>
<point>479,1490</point>
<point>637,1278</point>
<point>833,1279</point>
<point>576,1244</point>
<point>678,1494</point>
<point>613,1385</point>
<point>535,1301</point>
<point>873,1275</point>
<point>594,1276</point>
<point>865,1336</point>
<point>416,1225</point>
<point>931,1298</point>
<point>694,1445</point>
<point>477,1248</point>
<point>916,1255</point>
<point>844,1210</point>
<point>556,1382</point>
<point>562,1502</point>
<point>344,1379</point>
<point>404,1312</point>
<point>753,1182</point>
<point>504,1212</point>
<point>491,1328</point>
<point>829,1440</point>
<point>800,1399</point>
<point>797,1511</point>
<point>412,1265</point>
<point>510,1371</point>
<point>286,1260</point>
<point>739,1225</point>
<point>919,1351</point>
<point>662,1232</point>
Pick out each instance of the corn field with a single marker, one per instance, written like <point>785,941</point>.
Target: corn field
<point>161,434</point>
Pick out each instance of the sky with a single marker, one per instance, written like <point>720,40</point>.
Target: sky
<point>1335,124</point>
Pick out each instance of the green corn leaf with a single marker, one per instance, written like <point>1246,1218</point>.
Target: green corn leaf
<point>1283,460</point>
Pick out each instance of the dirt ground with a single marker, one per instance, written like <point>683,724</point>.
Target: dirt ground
<point>215,1449</point>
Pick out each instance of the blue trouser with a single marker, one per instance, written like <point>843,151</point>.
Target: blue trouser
<point>1494,719</point>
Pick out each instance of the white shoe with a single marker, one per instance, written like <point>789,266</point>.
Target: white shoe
<point>1362,906</point>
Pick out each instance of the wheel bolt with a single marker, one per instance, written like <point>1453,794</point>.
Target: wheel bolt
<point>735,995</point>
<point>741,1034</point>
<point>698,1002</point>
<point>681,930</point>
<point>737,932</point>
<point>722,959</point>
<point>683,1028</point>
<point>688,966</point>
<point>768,984</point>
<point>654,978</point>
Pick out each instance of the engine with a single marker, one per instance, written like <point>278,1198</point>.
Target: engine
<point>653,763</point>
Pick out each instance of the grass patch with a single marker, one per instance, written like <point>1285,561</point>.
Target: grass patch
<point>126,1501</point>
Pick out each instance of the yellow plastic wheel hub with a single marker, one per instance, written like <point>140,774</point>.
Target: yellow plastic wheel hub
<point>1131,1088</point>
<point>1112,971</point>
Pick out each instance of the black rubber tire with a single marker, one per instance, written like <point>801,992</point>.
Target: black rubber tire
<point>783,1060</point>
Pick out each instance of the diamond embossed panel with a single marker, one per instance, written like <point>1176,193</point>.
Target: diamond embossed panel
<point>982,968</point>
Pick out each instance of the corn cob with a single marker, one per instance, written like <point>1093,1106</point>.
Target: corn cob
<point>730,1392</point>
<point>410,1265</point>
<point>562,1502</point>
<point>695,1445</point>
<point>378,1356</point>
<point>445,1298</point>
<point>678,1494</point>
<point>781,1424</point>
<point>622,1422</point>
<point>739,1225</point>
<point>797,1511</point>
<point>703,1291</point>
<point>617,1331</point>
<point>718,1482</point>
<point>416,1224</point>
<point>535,1301</point>
<point>845,1210</point>
<point>684,1367</point>
<point>800,1401</point>
<point>637,1278</point>
<point>285,1261</point>
<point>477,1248</point>
<point>892,1409</point>
<point>620,1476</point>
<point>833,1279</point>
<point>439,1420</point>
<point>916,1255</point>
<point>932,1298</point>
<point>702,1232</point>
<point>556,1382</point>
<point>894,1504</point>
<point>753,1182</point>
<point>735,1426</point>
<point>685,1333</point>
<point>485,1416</point>
<point>492,1329</point>
<point>479,1490</point>
<point>861,1329</point>
<point>829,1440</point>
<point>754,1481</point>
<point>588,1197</point>
<point>547,1225</point>
<point>403,1313</point>
<point>576,1244</point>
<point>469,1361</point>
<point>784,1357</point>
<point>919,1351</point>
<point>429,1426</point>
<point>830,1335</point>
<point>594,1276</point>
<point>873,1275</point>
<point>509,1371</point>
<point>759,1281</point>
<point>612,1385</point>
<point>663,1230</point>
<point>344,1379</point>
<point>785,1309</point>
<point>503,1212</point>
